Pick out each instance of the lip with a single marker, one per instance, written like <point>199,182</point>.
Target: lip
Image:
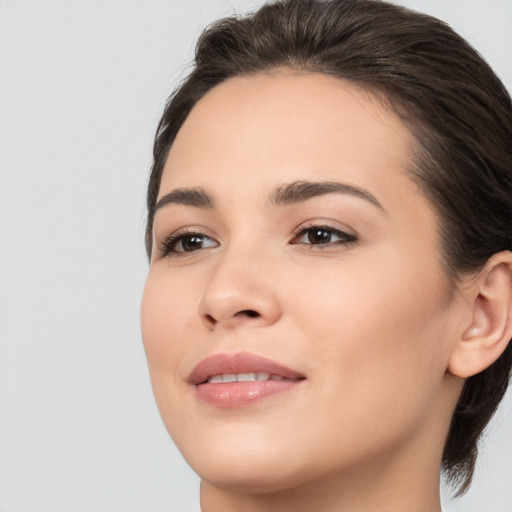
<point>240,394</point>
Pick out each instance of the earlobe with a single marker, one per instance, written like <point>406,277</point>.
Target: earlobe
<point>490,327</point>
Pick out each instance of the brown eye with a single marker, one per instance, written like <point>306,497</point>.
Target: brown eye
<point>190,243</point>
<point>187,242</point>
<point>319,236</point>
<point>323,235</point>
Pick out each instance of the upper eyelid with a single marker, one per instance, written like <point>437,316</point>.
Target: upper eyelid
<point>185,230</point>
<point>327,227</point>
<point>326,224</point>
<point>179,234</point>
<point>344,234</point>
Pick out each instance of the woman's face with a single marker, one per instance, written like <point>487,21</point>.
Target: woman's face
<point>290,243</point>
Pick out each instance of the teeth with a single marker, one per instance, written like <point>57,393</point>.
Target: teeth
<point>243,377</point>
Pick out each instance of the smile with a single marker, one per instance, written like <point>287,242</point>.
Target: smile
<point>238,380</point>
<point>244,377</point>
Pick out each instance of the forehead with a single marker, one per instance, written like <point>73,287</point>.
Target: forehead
<point>284,126</point>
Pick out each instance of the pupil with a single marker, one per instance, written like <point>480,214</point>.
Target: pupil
<point>192,243</point>
<point>319,236</point>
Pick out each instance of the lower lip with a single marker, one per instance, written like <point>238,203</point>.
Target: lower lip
<point>232,395</point>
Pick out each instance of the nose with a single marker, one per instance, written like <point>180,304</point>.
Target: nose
<point>239,291</point>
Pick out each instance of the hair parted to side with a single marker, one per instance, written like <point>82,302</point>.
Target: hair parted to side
<point>454,105</point>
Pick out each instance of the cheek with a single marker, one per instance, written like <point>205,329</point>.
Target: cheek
<point>377,352</point>
<point>380,331</point>
<point>166,312</point>
<point>169,304</point>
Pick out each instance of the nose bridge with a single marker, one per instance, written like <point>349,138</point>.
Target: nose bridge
<point>239,288</point>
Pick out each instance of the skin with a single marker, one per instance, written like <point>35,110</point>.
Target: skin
<point>371,324</point>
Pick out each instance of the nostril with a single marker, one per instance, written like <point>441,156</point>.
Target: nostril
<point>249,312</point>
<point>210,319</point>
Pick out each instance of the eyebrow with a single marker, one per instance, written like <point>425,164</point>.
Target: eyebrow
<point>287,194</point>
<point>188,196</point>
<point>300,191</point>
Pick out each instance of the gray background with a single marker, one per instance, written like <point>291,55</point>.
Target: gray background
<point>82,85</point>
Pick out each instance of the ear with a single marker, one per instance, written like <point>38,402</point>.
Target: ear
<point>487,334</point>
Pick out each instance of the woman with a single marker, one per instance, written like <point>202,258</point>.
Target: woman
<point>327,313</point>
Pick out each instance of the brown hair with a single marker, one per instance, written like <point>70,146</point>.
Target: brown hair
<point>457,109</point>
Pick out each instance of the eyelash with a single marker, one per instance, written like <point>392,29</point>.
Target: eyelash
<point>168,246</point>
<point>345,238</point>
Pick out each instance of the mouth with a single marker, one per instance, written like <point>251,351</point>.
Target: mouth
<point>244,377</point>
<point>240,379</point>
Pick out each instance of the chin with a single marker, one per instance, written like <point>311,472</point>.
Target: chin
<point>252,477</point>
<point>244,458</point>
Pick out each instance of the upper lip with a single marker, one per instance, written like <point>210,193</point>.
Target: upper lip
<point>240,362</point>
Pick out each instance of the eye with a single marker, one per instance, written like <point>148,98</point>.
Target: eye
<point>322,236</point>
<point>184,242</point>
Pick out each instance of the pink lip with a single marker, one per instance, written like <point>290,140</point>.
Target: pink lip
<point>240,394</point>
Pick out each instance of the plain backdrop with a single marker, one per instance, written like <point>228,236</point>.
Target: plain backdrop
<point>82,86</point>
